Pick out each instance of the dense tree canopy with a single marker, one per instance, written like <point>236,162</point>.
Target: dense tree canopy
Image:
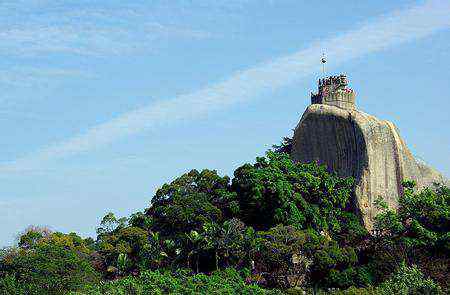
<point>192,200</point>
<point>417,233</point>
<point>276,190</point>
<point>47,263</point>
<point>275,224</point>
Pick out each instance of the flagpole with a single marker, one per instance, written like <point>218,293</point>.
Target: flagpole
<point>323,60</point>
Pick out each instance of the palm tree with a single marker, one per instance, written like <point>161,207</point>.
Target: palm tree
<point>194,240</point>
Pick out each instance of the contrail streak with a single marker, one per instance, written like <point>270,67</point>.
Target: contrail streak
<point>386,31</point>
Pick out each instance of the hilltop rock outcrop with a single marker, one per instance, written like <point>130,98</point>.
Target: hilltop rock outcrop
<point>332,131</point>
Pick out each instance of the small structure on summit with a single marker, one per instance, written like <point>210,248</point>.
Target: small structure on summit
<point>334,91</point>
<point>334,132</point>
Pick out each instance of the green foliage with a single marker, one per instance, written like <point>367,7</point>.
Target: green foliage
<point>141,220</point>
<point>277,247</point>
<point>354,291</point>
<point>32,236</point>
<point>53,263</point>
<point>275,190</point>
<point>313,207</point>
<point>190,201</point>
<point>404,281</point>
<point>110,223</point>
<point>418,233</point>
<point>277,224</point>
<point>125,241</point>
<point>231,243</point>
<point>284,147</point>
<point>227,281</point>
<point>407,281</point>
<point>422,220</point>
<point>9,285</point>
<point>122,262</point>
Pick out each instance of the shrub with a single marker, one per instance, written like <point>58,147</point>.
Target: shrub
<point>227,281</point>
<point>407,281</point>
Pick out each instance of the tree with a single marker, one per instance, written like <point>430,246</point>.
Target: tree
<point>275,190</point>
<point>231,243</point>
<point>409,280</point>
<point>190,201</point>
<point>127,240</point>
<point>32,235</point>
<point>54,263</point>
<point>284,147</point>
<point>110,223</point>
<point>281,253</point>
<point>418,232</point>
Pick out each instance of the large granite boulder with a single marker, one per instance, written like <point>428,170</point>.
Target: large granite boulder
<point>332,131</point>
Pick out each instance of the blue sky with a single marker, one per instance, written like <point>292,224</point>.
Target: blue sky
<point>101,102</point>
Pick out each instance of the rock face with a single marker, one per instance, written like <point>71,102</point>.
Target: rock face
<point>332,131</point>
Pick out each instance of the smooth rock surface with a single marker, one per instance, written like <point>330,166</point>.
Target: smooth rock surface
<point>356,144</point>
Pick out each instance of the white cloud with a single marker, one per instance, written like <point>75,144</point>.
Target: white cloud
<point>386,31</point>
<point>31,31</point>
<point>93,31</point>
<point>38,39</point>
<point>35,77</point>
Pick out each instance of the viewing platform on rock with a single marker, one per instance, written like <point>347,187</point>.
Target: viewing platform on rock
<point>333,91</point>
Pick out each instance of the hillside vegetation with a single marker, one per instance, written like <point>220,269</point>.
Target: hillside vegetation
<point>275,227</point>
